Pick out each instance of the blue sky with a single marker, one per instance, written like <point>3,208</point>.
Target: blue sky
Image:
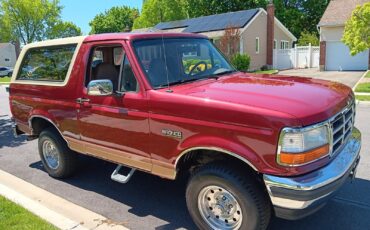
<point>81,12</point>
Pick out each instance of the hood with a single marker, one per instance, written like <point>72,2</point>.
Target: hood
<point>309,100</point>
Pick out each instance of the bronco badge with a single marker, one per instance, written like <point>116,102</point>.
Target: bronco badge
<point>171,133</point>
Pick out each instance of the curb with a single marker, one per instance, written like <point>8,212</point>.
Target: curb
<point>358,82</point>
<point>56,210</point>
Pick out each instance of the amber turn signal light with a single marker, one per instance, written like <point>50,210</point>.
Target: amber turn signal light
<point>305,157</point>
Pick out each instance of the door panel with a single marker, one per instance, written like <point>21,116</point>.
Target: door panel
<point>116,128</point>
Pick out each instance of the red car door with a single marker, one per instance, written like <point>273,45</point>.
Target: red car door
<point>114,127</point>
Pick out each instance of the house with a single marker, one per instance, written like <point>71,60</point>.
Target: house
<point>7,55</point>
<point>334,54</point>
<point>260,32</point>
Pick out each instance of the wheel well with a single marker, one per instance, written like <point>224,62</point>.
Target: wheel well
<point>196,158</point>
<point>39,124</point>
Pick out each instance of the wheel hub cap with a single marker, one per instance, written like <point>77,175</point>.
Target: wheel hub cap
<point>51,154</point>
<point>219,208</point>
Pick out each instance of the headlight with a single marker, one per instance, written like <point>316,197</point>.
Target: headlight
<point>303,146</point>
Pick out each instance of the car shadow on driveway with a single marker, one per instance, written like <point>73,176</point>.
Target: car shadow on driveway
<point>148,195</point>
<point>6,134</point>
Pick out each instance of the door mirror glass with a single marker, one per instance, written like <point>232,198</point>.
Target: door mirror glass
<point>100,88</point>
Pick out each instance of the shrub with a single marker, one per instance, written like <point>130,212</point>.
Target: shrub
<point>241,61</point>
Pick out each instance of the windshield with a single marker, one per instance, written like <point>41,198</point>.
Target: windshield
<point>185,60</point>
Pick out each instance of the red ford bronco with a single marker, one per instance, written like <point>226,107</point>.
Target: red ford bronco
<point>170,104</point>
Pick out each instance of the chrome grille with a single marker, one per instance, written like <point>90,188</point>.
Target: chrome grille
<point>341,127</point>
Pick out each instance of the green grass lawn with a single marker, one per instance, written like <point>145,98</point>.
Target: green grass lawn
<point>363,97</point>
<point>363,87</point>
<point>14,217</point>
<point>273,71</point>
<point>368,74</point>
<point>4,80</point>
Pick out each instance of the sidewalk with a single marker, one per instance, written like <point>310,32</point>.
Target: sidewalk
<point>58,211</point>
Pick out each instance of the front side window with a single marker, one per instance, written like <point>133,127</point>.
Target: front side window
<point>47,63</point>
<point>111,63</point>
<point>171,61</point>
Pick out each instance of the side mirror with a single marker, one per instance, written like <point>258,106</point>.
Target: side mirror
<point>100,88</point>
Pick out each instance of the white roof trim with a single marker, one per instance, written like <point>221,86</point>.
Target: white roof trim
<point>281,26</point>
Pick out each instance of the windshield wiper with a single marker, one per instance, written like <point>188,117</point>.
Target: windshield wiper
<point>179,82</point>
<point>224,72</point>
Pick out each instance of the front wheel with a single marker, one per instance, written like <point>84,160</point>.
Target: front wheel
<point>58,160</point>
<point>219,197</point>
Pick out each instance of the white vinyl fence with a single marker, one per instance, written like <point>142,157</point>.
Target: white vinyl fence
<point>297,57</point>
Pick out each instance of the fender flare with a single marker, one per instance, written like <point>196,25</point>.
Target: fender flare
<point>217,149</point>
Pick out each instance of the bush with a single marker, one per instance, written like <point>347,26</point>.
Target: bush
<point>241,61</point>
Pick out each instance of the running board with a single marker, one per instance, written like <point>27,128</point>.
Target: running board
<point>116,176</point>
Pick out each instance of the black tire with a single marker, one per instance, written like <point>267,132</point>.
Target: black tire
<point>249,193</point>
<point>67,158</point>
<point>10,74</point>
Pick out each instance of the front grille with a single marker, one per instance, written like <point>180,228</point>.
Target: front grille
<point>341,127</point>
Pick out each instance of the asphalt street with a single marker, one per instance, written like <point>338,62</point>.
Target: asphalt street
<point>149,202</point>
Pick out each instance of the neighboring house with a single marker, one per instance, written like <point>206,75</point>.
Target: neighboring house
<point>334,54</point>
<point>259,34</point>
<point>7,55</point>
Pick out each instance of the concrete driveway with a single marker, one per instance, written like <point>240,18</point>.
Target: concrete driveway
<point>349,78</point>
<point>149,202</point>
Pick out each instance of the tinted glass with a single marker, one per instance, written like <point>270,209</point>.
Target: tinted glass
<point>178,60</point>
<point>128,80</point>
<point>46,63</point>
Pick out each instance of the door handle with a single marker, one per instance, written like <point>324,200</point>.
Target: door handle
<point>82,100</point>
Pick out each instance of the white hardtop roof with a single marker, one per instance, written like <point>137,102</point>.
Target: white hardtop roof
<point>55,42</point>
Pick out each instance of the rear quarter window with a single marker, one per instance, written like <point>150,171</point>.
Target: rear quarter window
<point>46,63</point>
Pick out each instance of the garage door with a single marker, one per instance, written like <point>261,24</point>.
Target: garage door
<point>339,58</point>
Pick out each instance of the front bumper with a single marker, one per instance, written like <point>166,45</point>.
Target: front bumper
<point>297,197</point>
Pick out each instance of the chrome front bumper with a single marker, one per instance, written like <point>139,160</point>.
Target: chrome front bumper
<point>297,197</point>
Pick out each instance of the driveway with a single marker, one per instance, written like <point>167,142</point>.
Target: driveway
<point>148,202</point>
<point>349,78</point>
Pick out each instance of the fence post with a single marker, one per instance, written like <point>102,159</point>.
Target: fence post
<point>295,56</point>
<point>309,56</point>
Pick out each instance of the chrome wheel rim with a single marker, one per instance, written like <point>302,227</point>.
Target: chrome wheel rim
<point>219,208</point>
<point>51,154</point>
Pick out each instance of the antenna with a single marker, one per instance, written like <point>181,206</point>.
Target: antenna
<point>169,90</point>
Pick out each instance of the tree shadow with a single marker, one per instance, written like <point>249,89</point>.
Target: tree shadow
<point>7,138</point>
<point>149,195</point>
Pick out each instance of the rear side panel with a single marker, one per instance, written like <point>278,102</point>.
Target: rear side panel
<point>54,101</point>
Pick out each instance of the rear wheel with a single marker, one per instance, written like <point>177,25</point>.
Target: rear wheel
<point>219,197</point>
<point>10,74</point>
<point>58,160</point>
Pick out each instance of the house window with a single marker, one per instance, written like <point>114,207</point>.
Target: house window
<point>275,44</point>
<point>7,59</point>
<point>257,45</point>
<point>284,45</point>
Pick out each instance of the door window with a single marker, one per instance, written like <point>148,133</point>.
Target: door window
<point>110,63</point>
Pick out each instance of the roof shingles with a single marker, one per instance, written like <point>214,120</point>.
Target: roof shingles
<point>339,11</point>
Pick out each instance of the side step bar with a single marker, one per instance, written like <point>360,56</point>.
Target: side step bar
<point>116,176</point>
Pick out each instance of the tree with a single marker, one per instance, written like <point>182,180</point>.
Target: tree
<point>116,19</point>
<point>31,20</point>
<point>298,15</point>
<point>357,30</point>
<point>306,38</point>
<point>156,11</point>
<point>197,8</point>
<point>229,42</point>
<point>63,30</point>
